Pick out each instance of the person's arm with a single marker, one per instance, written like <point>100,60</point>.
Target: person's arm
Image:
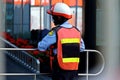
<point>48,40</point>
<point>82,46</point>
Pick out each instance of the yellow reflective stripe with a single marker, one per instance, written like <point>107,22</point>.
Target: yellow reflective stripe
<point>65,60</point>
<point>70,40</point>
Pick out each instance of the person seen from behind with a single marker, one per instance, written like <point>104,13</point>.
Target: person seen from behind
<point>67,42</point>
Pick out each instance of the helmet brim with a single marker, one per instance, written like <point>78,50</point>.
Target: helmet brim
<point>59,14</point>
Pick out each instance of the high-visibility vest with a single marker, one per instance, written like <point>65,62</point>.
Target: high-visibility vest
<point>68,48</point>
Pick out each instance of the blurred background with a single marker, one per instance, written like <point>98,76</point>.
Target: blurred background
<point>25,22</point>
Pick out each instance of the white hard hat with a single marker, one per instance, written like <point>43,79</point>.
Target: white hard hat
<point>60,9</point>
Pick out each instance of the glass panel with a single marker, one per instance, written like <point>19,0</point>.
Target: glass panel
<point>9,17</point>
<point>18,20</point>
<point>26,21</point>
<point>35,18</point>
<point>99,26</point>
<point>21,20</point>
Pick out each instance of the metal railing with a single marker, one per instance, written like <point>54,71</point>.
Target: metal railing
<point>19,74</point>
<point>23,56</point>
<point>87,74</point>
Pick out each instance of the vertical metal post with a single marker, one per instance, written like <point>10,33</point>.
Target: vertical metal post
<point>38,66</point>
<point>83,17</point>
<point>5,15</point>
<point>49,8</point>
<point>13,19</point>
<point>44,16</point>
<point>87,65</point>
<point>40,14</point>
<point>29,14</point>
<point>35,77</point>
<point>21,27</point>
<point>76,9</point>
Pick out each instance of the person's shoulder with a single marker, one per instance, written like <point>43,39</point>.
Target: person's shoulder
<point>76,28</point>
<point>53,31</point>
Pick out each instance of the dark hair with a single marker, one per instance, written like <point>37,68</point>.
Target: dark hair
<point>58,20</point>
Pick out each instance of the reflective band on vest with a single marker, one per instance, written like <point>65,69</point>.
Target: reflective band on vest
<point>70,60</point>
<point>70,40</point>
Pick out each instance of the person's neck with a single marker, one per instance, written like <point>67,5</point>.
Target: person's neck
<point>60,24</point>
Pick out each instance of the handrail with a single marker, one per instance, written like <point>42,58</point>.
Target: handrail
<point>79,74</point>
<point>103,65</point>
<point>95,74</point>
<point>21,52</point>
<point>21,49</point>
<point>19,74</point>
<point>87,63</point>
